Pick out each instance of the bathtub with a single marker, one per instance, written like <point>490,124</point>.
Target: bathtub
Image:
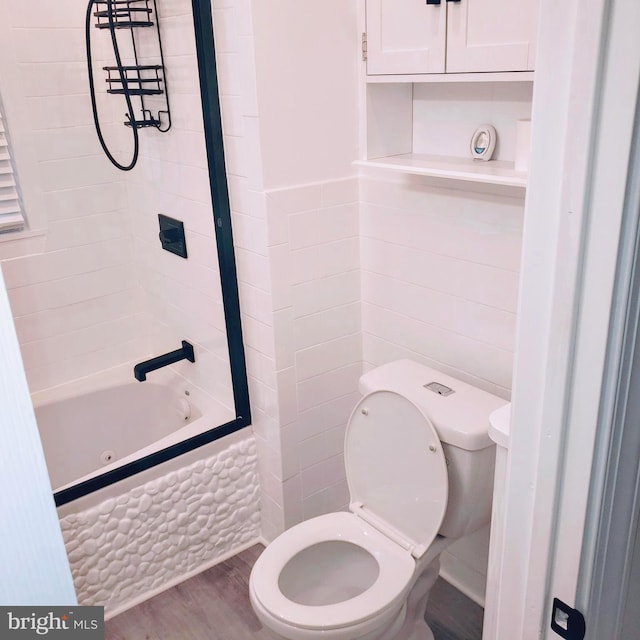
<point>94,425</point>
<point>136,537</point>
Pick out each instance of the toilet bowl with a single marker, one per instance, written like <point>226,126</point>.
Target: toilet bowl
<point>366,574</point>
<point>336,573</point>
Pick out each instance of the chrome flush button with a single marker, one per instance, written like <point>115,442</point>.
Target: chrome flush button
<point>440,389</point>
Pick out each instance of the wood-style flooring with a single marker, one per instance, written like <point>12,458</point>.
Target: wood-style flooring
<point>214,605</point>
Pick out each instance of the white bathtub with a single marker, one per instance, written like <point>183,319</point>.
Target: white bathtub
<point>94,425</point>
<point>136,537</point>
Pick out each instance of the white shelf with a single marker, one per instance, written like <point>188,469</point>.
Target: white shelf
<point>450,168</point>
<point>501,76</point>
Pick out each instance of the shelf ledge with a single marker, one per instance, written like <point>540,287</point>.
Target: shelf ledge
<point>498,76</point>
<point>451,168</point>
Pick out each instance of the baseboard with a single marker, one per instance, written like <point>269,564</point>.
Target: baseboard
<point>147,595</point>
<point>464,578</point>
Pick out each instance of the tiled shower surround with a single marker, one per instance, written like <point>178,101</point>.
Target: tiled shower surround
<point>146,538</point>
<point>91,288</point>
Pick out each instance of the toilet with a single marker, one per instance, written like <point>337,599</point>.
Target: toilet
<point>419,465</point>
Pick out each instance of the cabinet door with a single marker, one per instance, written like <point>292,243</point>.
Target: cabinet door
<point>491,35</point>
<point>406,36</point>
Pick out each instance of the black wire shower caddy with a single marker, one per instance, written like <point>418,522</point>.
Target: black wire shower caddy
<point>146,82</point>
<point>136,80</point>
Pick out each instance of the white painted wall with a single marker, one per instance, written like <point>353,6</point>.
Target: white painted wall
<point>445,116</point>
<point>307,82</point>
<point>32,555</point>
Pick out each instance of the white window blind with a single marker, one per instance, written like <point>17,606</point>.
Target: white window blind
<point>11,211</point>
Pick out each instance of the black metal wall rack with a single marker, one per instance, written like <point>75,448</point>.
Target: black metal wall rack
<point>146,82</point>
<point>127,14</point>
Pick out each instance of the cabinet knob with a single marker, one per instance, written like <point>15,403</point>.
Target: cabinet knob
<point>433,1</point>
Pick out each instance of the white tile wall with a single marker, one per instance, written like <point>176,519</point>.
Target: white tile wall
<point>440,278</point>
<point>317,333</point>
<point>308,356</point>
<point>101,286</point>
<point>75,299</point>
<point>183,297</point>
<point>234,58</point>
<point>298,256</point>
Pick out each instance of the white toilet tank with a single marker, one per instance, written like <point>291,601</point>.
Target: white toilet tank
<point>460,414</point>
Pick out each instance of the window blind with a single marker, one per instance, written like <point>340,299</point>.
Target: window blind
<point>11,211</point>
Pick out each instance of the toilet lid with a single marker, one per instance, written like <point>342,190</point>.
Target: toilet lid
<point>396,468</point>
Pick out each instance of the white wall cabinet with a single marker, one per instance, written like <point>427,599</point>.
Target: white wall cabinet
<point>405,37</point>
<point>434,73</point>
<point>465,36</point>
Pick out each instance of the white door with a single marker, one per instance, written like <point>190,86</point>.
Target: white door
<point>491,35</point>
<point>405,37</point>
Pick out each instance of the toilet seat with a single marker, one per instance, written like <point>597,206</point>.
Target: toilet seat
<point>395,564</point>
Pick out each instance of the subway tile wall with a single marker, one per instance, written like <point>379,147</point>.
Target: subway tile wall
<point>92,289</point>
<point>305,356</point>
<point>298,266</point>
<point>233,30</point>
<point>182,298</point>
<point>440,270</point>
<point>319,348</point>
<point>72,284</point>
